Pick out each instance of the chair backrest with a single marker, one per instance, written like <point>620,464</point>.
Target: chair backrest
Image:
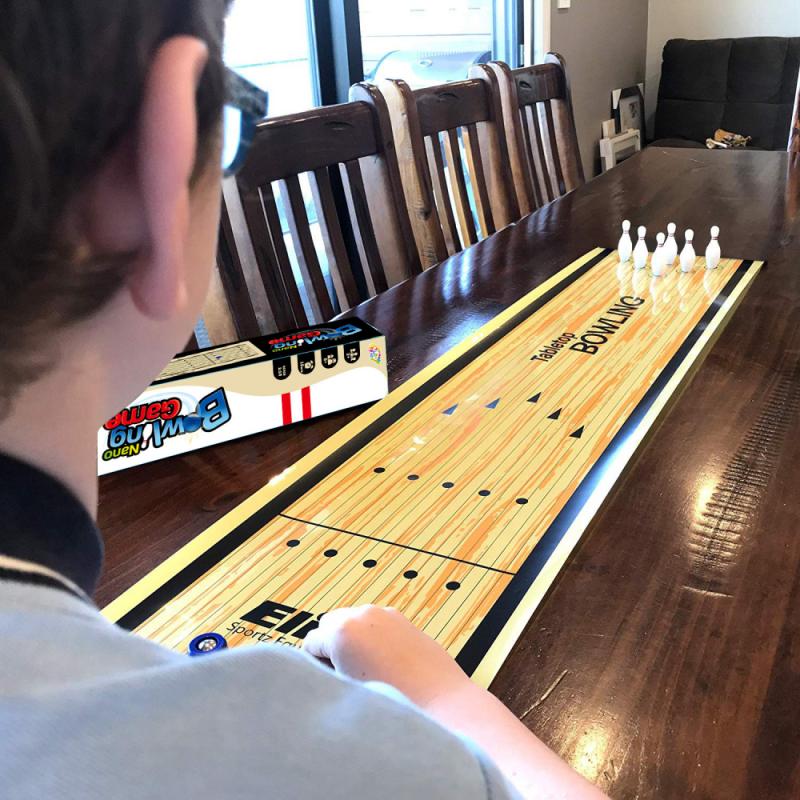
<point>540,124</point>
<point>453,149</point>
<point>337,231</point>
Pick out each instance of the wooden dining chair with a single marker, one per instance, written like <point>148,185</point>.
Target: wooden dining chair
<point>540,125</point>
<point>361,242</point>
<point>452,148</point>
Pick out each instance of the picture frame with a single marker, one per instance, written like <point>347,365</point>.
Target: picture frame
<point>627,106</point>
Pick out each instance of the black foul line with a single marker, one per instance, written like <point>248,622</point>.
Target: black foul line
<point>395,544</point>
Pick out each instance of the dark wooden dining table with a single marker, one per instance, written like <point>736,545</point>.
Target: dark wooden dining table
<point>665,660</point>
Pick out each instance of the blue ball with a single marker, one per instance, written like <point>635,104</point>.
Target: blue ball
<point>206,643</point>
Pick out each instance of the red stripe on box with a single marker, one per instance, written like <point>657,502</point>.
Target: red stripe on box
<point>305,394</point>
<point>286,405</point>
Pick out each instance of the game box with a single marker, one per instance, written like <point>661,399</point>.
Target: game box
<point>218,394</point>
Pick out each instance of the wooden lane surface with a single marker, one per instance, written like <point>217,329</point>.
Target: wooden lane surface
<point>473,476</point>
<point>673,636</point>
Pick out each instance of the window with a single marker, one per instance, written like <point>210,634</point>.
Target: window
<point>269,42</point>
<point>426,42</point>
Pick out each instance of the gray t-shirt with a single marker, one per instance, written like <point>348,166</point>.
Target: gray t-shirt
<point>90,712</point>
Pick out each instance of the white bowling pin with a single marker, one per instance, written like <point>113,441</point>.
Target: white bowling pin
<point>625,246</point>
<point>688,255</point>
<point>671,246</point>
<point>712,251</point>
<point>640,251</point>
<point>658,263</point>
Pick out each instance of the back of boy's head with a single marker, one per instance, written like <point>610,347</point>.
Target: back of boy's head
<point>71,79</point>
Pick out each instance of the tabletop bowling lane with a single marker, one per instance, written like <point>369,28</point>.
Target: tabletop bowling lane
<point>303,565</point>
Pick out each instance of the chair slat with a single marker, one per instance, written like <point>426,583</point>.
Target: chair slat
<point>478,178</point>
<point>539,154</point>
<point>275,259</point>
<point>335,248</point>
<point>268,306</point>
<point>555,158</point>
<point>286,304</point>
<point>362,226</point>
<point>307,260</point>
<point>234,282</point>
<point>433,148</point>
<point>458,186</point>
<point>527,159</point>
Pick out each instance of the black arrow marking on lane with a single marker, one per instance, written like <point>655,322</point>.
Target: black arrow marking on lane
<point>555,414</point>
<point>535,398</point>
<point>578,433</point>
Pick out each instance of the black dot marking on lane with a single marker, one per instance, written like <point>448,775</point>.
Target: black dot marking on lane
<point>522,501</point>
<point>410,574</point>
<point>453,585</point>
<point>413,477</point>
<point>293,543</point>
<point>370,563</point>
<point>330,553</point>
<point>379,470</point>
<point>484,492</point>
<point>448,485</point>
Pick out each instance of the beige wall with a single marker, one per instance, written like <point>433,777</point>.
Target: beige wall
<point>712,19</point>
<point>604,44</point>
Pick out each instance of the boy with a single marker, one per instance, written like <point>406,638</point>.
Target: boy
<point>109,146</point>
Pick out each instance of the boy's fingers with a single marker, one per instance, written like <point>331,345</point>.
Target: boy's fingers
<point>316,644</point>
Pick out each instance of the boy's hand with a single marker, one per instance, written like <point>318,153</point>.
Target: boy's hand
<point>369,643</point>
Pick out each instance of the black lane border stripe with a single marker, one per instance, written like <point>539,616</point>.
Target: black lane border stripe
<point>491,626</point>
<point>396,544</point>
<point>172,587</point>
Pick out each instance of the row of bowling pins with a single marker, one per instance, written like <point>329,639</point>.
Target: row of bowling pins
<point>667,250</point>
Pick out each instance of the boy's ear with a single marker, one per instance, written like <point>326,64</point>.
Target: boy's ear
<point>139,200</point>
<point>166,148</point>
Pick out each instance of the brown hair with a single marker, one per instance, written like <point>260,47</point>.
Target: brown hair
<point>71,80</point>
